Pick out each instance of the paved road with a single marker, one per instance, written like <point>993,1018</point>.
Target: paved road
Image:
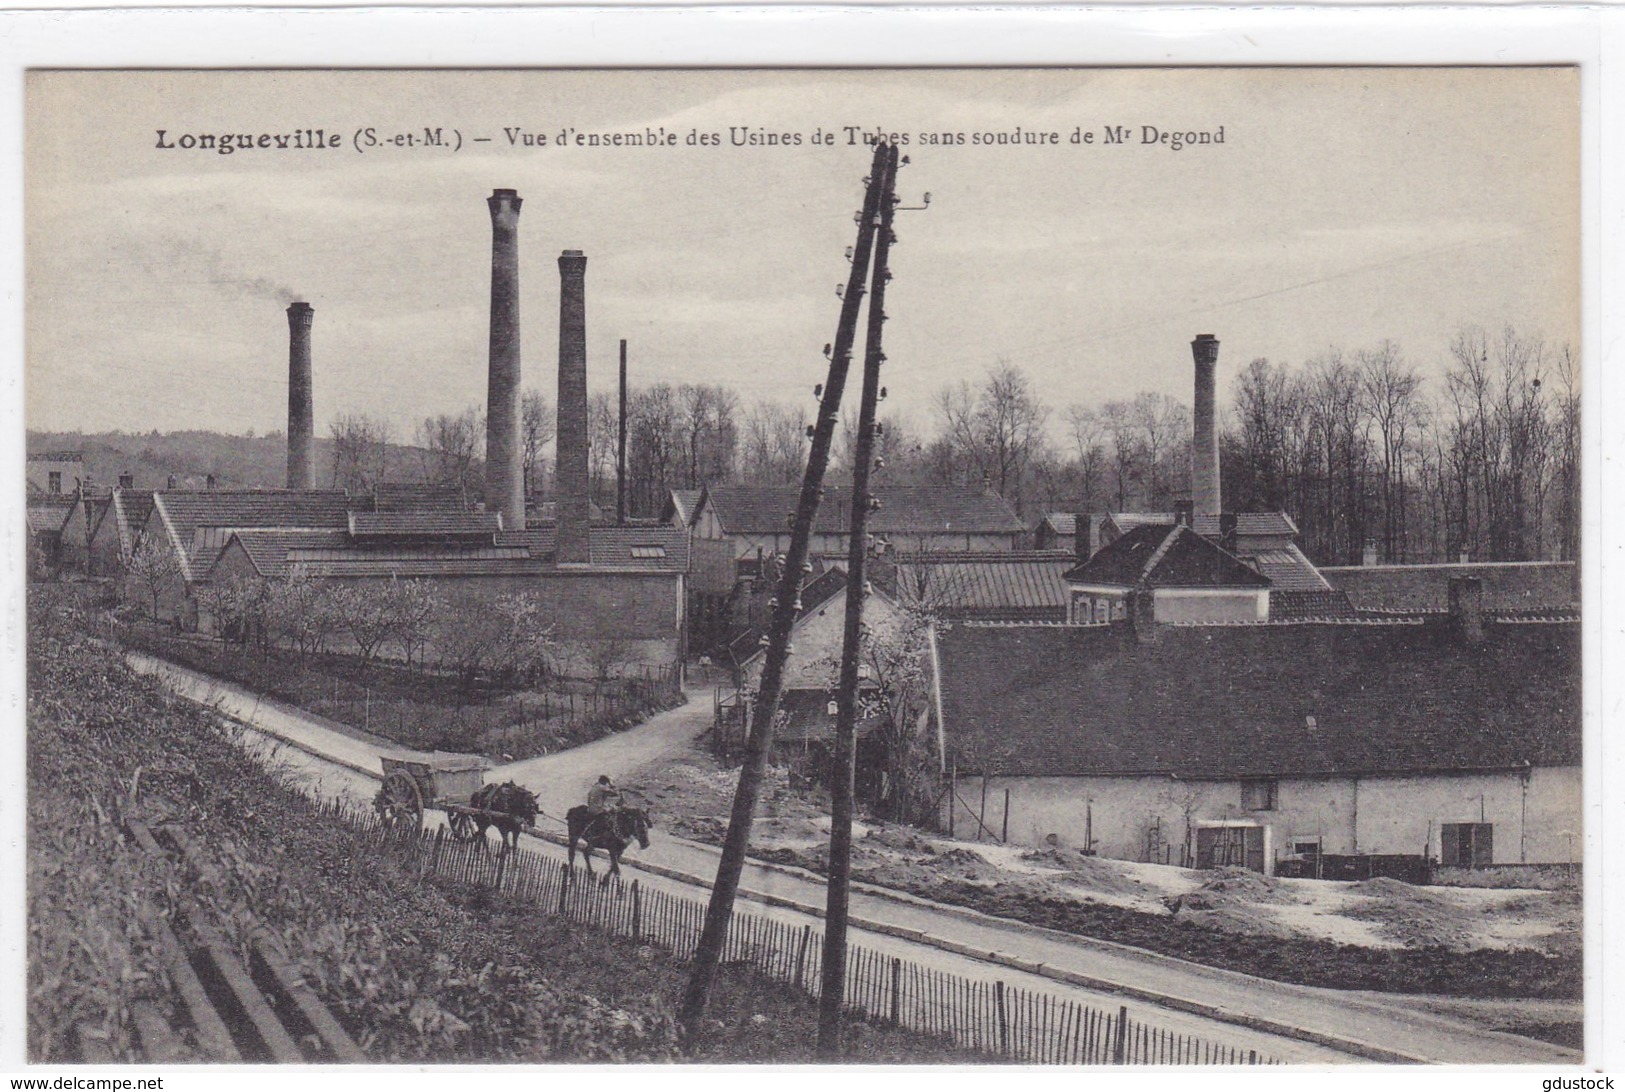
<point>1325,1025</point>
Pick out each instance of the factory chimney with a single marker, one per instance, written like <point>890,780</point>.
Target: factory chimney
<point>504,464</point>
<point>570,473</point>
<point>301,416</point>
<point>1206,502</point>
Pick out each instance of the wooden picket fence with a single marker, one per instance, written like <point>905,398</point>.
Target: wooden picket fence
<point>993,1018</point>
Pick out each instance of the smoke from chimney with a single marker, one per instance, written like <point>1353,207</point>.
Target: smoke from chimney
<point>1206,500</point>
<point>301,414</point>
<point>570,474</point>
<point>504,462</point>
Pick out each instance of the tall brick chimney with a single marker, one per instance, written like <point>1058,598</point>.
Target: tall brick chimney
<point>570,474</point>
<point>301,415</point>
<point>1206,500</point>
<point>504,462</point>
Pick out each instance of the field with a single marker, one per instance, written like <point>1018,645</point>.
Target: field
<point>415,971</point>
<point>1383,935</point>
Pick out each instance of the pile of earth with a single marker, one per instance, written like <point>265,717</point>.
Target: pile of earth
<point>1081,870</point>
<point>1234,900</point>
<point>1414,916</point>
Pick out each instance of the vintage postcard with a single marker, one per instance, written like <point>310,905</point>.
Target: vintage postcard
<point>1117,531</point>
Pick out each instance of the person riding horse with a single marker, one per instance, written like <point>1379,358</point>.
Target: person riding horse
<point>603,799</point>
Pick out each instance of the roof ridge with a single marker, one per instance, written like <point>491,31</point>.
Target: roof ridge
<point>1160,552</point>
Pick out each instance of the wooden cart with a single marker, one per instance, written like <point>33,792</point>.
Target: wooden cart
<point>413,782</point>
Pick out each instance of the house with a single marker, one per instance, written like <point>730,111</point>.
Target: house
<point>1056,531</point>
<point>631,594</point>
<point>680,507</point>
<point>756,519</point>
<point>1106,527</point>
<point>54,473</point>
<point>79,529</point>
<point>45,513</point>
<point>113,540</point>
<point>1453,740</point>
<point>979,586</point>
<point>1171,572</point>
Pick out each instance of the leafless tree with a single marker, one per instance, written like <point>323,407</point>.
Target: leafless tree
<point>450,447</point>
<point>361,454</point>
<point>536,421</point>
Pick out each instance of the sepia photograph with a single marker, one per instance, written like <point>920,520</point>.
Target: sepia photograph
<point>1056,566</point>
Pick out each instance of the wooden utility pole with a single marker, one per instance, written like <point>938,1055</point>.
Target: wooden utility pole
<point>620,454</point>
<point>843,788</point>
<point>758,744</point>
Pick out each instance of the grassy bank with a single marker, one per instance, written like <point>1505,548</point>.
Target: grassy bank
<point>416,971</point>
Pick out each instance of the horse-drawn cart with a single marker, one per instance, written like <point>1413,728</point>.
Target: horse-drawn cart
<point>437,780</point>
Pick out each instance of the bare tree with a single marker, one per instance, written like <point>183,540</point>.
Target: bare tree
<point>154,567</point>
<point>450,447</point>
<point>773,444</point>
<point>360,452</point>
<point>536,421</point>
<point>1389,389</point>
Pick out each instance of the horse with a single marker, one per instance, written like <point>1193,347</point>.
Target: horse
<point>611,831</point>
<point>508,807</point>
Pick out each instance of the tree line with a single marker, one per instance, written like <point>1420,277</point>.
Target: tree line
<point>1357,445</point>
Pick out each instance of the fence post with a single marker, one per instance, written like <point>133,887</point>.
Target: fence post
<point>564,887</point>
<point>637,911</point>
<point>439,841</point>
<point>1004,833</point>
<point>1118,1050</point>
<point>1004,1019</point>
<point>1252,1057</point>
<point>801,954</point>
<point>896,984</point>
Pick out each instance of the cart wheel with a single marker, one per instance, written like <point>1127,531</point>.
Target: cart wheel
<point>463,827</point>
<point>399,803</point>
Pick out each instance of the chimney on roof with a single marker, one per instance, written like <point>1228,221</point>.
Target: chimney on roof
<point>504,465</point>
<point>1205,497</point>
<point>208,482</point>
<point>1466,597</point>
<point>126,480</point>
<point>1142,614</point>
<point>301,415</point>
<point>1084,532</point>
<point>169,483</point>
<point>1368,554</point>
<point>570,472</point>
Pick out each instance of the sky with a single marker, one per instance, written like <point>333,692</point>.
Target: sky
<point>1343,207</point>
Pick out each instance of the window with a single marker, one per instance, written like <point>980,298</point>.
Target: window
<point>53,481</point>
<point>1466,845</point>
<point>1258,795</point>
<point>648,553</point>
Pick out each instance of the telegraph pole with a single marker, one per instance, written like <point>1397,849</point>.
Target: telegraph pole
<point>719,913</point>
<point>844,787</point>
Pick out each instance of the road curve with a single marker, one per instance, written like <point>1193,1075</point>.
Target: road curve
<point>1299,1024</point>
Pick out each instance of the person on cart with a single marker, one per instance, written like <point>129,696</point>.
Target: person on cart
<point>603,799</point>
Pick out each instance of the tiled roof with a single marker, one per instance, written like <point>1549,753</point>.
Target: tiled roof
<point>426,523</point>
<point>1548,586</point>
<point>1165,557</point>
<point>1294,606</point>
<point>418,497</point>
<point>268,550</point>
<point>187,513</point>
<point>131,508</point>
<point>903,510</point>
<point>986,586</point>
<point>1236,702</point>
<point>1246,525</point>
<point>1062,523</point>
<point>47,517</point>
<point>1288,569</point>
<point>1128,521</point>
<point>681,504</point>
<point>648,547</point>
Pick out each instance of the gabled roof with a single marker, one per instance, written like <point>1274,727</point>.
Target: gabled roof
<point>1062,523</point>
<point>1288,569</point>
<point>1160,556</point>
<point>267,551</point>
<point>418,497</point>
<point>424,523</point>
<point>131,507</point>
<point>681,505</point>
<point>1236,702</point>
<point>184,513</point>
<point>47,518</point>
<point>985,586</point>
<point>903,510</point>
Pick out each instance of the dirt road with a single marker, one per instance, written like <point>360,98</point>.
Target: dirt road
<point>1318,1025</point>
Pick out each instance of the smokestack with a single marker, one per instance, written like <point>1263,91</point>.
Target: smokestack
<point>301,415</point>
<point>570,473</point>
<point>504,464</point>
<point>1205,497</point>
